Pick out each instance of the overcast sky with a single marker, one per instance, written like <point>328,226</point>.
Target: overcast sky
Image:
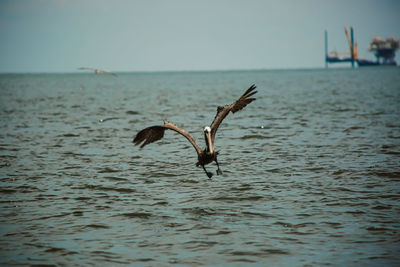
<point>158,35</point>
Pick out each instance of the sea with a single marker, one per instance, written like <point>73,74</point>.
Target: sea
<point>311,169</point>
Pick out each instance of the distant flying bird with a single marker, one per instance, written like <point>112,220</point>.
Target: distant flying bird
<point>97,71</point>
<point>208,154</point>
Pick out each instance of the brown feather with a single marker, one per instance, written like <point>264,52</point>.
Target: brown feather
<point>154,133</point>
<point>149,135</point>
<point>189,137</point>
<point>239,104</point>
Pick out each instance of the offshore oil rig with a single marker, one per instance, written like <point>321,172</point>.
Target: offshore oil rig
<point>384,51</point>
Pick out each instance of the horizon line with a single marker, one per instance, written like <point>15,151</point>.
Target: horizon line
<point>172,71</point>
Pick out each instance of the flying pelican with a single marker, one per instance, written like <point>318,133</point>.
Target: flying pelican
<point>97,71</point>
<point>204,155</point>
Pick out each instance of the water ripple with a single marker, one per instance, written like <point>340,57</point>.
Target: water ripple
<point>310,170</point>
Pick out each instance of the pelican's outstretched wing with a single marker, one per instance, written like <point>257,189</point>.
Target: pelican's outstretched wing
<point>155,133</point>
<point>223,111</point>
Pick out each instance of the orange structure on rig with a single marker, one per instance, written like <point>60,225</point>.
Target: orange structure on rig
<point>384,51</point>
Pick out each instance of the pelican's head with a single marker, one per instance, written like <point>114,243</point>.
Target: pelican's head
<point>207,136</point>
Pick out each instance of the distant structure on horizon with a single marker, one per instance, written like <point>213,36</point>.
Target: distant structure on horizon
<point>97,71</point>
<point>384,51</point>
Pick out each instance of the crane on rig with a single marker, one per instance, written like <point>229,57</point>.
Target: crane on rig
<point>335,57</point>
<point>384,51</point>
<point>353,47</point>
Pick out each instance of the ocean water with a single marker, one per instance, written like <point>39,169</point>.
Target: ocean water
<point>311,170</point>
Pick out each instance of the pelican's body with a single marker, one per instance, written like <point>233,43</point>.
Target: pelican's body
<point>205,158</point>
<point>208,155</point>
<point>204,155</point>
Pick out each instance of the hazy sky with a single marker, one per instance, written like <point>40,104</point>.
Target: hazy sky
<point>152,35</point>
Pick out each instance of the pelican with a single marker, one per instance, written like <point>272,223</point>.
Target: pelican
<point>204,155</point>
<point>97,71</point>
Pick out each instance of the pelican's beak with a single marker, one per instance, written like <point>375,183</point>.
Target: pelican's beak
<point>210,144</point>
